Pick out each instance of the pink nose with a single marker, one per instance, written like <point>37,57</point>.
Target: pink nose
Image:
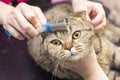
<point>68,45</point>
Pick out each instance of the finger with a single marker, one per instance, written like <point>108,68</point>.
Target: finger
<point>26,26</point>
<point>39,14</point>
<point>16,25</point>
<point>101,26</point>
<point>41,17</point>
<point>98,19</point>
<point>29,14</point>
<point>92,13</point>
<point>16,34</point>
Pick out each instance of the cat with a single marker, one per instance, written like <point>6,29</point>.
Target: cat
<point>50,50</point>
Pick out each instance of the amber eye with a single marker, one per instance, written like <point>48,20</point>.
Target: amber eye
<point>56,42</point>
<point>76,35</point>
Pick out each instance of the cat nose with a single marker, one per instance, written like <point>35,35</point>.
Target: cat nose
<point>68,48</point>
<point>68,45</point>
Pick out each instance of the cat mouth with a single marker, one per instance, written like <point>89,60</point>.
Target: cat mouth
<point>74,53</point>
<point>73,56</point>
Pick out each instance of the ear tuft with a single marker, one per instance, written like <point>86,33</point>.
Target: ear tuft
<point>80,14</point>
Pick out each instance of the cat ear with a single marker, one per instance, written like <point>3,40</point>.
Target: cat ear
<point>80,14</point>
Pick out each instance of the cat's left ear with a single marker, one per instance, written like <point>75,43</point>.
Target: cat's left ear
<point>80,14</point>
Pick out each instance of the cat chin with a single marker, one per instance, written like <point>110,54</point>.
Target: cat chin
<point>76,57</point>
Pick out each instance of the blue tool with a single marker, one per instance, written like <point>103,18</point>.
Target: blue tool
<point>48,28</point>
<point>8,33</point>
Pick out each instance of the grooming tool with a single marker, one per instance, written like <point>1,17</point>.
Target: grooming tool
<point>48,28</point>
<point>55,27</point>
<point>8,33</point>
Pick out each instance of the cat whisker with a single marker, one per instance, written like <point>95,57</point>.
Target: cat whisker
<point>62,68</point>
<point>59,56</point>
<point>62,56</point>
<point>53,66</point>
<point>56,68</point>
<point>78,48</point>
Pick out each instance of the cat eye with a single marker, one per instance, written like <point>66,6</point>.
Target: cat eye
<point>56,42</point>
<point>76,35</point>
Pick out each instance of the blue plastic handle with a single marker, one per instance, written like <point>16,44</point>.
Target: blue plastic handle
<point>47,30</point>
<point>8,33</point>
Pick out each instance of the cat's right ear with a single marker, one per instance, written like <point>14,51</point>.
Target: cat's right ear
<point>80,14</point>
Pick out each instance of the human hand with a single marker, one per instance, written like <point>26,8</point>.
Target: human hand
<point>87,67</point>
<point>24,21</point>
<point>95,12</point>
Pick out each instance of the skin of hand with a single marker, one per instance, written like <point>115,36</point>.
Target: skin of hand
<point>23,21</point>
<point>94,12</point>
<point>87,67</point>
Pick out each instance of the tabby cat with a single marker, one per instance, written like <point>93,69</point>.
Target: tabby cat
<point>50,50</point>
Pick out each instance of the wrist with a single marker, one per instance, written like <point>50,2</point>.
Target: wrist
<point>94,71</point>
<point>96,74</point>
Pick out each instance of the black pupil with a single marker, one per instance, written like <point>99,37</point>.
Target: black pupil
<point>56,42</point>
<point>76,34</point>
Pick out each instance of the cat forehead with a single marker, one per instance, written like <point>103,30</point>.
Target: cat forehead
<point>58,34</point>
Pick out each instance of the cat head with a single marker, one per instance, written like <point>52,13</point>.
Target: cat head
<point>73,44</point>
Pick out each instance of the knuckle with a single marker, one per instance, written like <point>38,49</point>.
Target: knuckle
<point>21,4</point>
<point>31,17</point>
<point>14,12</point>
<point>26,27</point>
<point>37,8</point>
<point>25,33</point>
<point>33,20</point>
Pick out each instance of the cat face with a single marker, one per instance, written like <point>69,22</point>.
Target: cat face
<point>70,45</point>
